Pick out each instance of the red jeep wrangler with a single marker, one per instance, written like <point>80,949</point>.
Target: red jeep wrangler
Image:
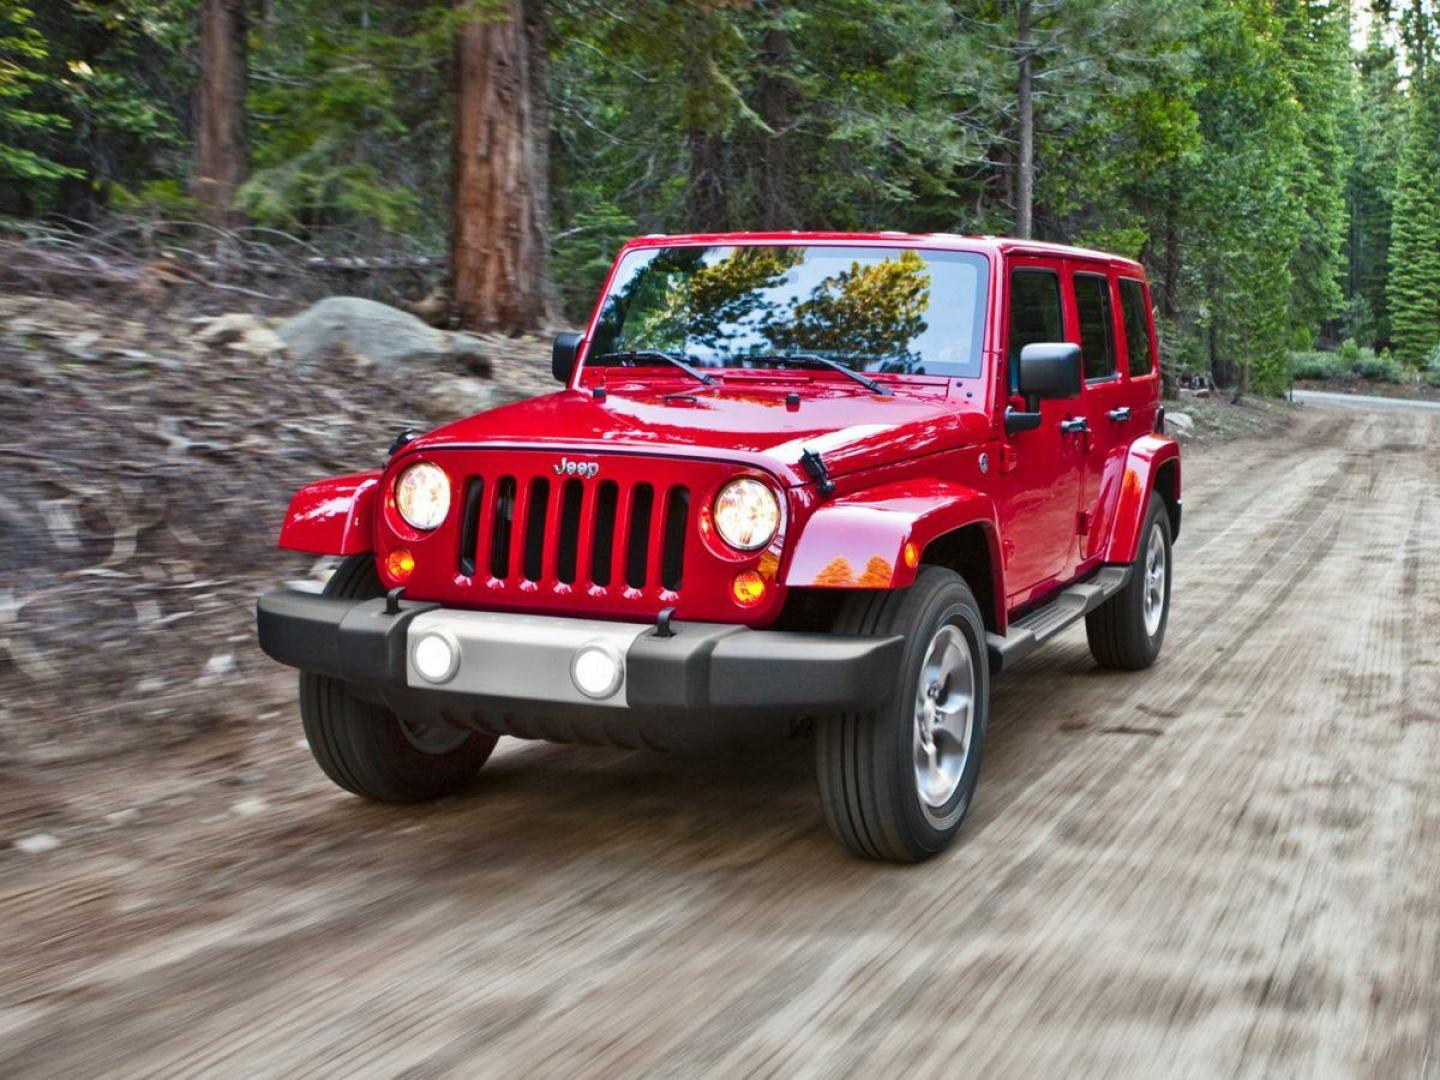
<point>795,483</point>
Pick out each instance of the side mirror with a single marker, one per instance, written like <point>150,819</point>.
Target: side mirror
<point>564,353</point>
<point>1050,370</point>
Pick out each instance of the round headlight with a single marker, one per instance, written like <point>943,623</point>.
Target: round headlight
<point>422,495</point>
<point>747,514</point>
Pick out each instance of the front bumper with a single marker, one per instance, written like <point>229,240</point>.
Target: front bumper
<point>514,661</point>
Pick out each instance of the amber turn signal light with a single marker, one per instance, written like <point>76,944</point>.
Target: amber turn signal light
<point>748,588</point>
<point>911,555</point>
<point>400,564</point>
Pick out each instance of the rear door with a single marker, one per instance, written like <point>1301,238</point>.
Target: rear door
<point>1040,469</point>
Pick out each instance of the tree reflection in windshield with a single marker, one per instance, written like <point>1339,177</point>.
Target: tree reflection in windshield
<point>875,309</point>
<point>885,309</point>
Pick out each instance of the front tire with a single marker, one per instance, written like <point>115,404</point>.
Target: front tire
<point>896,781</point>
<point>367,749</point>
<point>1126,632</point>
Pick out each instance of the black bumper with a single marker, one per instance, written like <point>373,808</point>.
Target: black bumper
<point>699,667</point>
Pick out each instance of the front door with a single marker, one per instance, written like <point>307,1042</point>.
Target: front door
<point>1106,437</point>
<point>1040,469</point>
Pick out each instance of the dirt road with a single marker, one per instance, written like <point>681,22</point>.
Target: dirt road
<point>1229,864</point>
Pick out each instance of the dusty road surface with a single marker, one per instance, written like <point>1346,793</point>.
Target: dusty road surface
<point>1229,864</point>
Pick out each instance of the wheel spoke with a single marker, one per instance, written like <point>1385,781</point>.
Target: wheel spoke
<point>944,716</point>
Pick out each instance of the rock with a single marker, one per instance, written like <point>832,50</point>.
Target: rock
<point>348,324</point>
<point>472,354</point>
<point>457,395</point>
<point>261,341</point>
<point>220,664</point>
<point>1180,424</point>
<point>82,345</point>
<point>37,843</point>
<point>225,329</point>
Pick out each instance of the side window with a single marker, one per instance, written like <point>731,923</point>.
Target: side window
<point>1097,324</point>
<point>1137,325</point>
<point>1034,313</point>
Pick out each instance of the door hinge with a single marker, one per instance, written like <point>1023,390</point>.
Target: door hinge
<point>1082,523</point>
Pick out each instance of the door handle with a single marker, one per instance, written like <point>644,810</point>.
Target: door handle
<point>1119,415</point>
<point>1075,426</point>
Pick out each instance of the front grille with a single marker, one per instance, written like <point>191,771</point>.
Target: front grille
<point>536,529</point>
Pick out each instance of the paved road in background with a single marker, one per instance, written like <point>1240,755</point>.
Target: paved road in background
<point>1225,865</point>
<point>1362,401</point>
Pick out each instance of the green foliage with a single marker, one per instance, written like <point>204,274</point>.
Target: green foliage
<point>23,56</point>
<point>1347,364</point>
<point>1414,285</point>
<point>1378,368</point>
<point>1235,146</point>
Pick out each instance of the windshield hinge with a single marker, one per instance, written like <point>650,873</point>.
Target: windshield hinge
<point>815,465</point>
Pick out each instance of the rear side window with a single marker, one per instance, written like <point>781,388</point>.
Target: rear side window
<point>1137,325</point>
<point>1097,325</point>
<point>1034,313</point>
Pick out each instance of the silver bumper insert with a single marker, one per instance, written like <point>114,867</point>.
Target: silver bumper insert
<point>517,656</point>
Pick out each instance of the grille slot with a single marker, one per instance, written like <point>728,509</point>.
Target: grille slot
<point>642,503</point>
<point>530,529</point>
<point>502,518</point>
<point>538,509</point>
<point>568,553</point>
<point>470,525</point>
<point>602,544</point>
<point>672,561</point>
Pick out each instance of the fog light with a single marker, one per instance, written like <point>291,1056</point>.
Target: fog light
<point>400,564</point>
<point>436,657</point>
<point>597,669</point>
<point>748,588</point>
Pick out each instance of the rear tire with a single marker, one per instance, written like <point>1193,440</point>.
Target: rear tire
<point>369,750</point>
<point>1126,632</point>
<point>896,781</point>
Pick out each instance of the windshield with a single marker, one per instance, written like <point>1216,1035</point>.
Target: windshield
<point>904,310</point>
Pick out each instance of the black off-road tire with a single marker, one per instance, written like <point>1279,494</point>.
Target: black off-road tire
<point>866,761</point>
<point>363,746</point>
<point>1117,631</point>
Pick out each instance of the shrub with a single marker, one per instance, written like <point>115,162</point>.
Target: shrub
<point>1318,365</point>
<point>1382,368</point>
<point>1349,352</point>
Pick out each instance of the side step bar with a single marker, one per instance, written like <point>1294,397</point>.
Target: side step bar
<point>1073,604</point>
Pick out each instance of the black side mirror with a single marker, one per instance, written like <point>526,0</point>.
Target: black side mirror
<point>564,353</point>
<point>1050,370</point>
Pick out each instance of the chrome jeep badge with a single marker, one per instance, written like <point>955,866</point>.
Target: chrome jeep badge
<point>587,469</point>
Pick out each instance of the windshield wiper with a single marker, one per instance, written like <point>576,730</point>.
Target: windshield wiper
<point>834,365</point>
<point>634,355</point>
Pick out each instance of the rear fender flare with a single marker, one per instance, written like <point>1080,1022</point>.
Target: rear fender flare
<point>859,541</point>
<point>332,517</point>
<point>1148,457</point>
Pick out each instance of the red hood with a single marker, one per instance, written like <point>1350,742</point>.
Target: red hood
<point>744,420</point>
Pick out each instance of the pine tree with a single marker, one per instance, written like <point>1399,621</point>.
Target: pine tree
<point>1414,288</point>
<point>1378,126</point>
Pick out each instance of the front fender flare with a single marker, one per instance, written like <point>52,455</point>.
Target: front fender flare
<point>332,517</point>
<point>858,541</point>
<point>1147,456</point>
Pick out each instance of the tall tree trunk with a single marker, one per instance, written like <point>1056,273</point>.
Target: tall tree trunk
<point>706,186</point>
<point>497,237</point>
<point>775,112</point>
<point>220,141</point>
<point>705,181</point>
<point>1025,173</point>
